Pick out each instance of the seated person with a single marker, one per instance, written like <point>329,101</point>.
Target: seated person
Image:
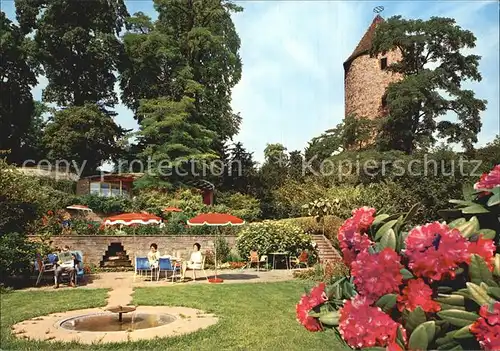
<point>66,263</point>
<point>153,256</point>
<point>194,261</point>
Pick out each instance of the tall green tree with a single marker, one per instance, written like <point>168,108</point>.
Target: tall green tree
<point>191,43</point>
<point>177,147</point>
<point>433,68</point>
<point>78,47</point>
<point>32,146</point>
<point>240,172</point>
<point>17,78</point>
<point>295,165</point>
<point>84,136</point>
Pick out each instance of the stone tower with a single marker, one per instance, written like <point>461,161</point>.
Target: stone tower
<point>366,78</point>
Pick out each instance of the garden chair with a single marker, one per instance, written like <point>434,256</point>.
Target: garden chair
<point>44,267</point>
<point>202,268</point>
<point>164,264</point>
<point>80,272</point>
<point>142,266</point>
<point>302,259</point>
<point>254,259</point>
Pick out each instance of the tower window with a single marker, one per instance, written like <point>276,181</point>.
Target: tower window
<point>384,101</point>
<point>383,63</point>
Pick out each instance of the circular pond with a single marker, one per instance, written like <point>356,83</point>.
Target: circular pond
<point>107,322</point>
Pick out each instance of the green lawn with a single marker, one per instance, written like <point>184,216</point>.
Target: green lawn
<point>252,316</point>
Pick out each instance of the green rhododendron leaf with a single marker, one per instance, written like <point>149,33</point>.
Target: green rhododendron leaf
<point>448,338</point>
<point>411,213</point>
<point>487,233</point>
<point>475,209</point>
<point>406,274</point>
<point>379,219</point>
<point>463,333</point>
<point>445,306</point>
<point>479,271</point>
<point>458,318</point>
<point>457,222</point>
<point>388,240</point>
<point>496,267</point>
<point>494,292</point>
<point>330,318</point>
<point>444,289</point>
<point>479,294</point>
<point>468,228</point>
<point>414,318</point>
<point>422,336</point>
<point>493,200</point>
<point>456,300</point>
<point>387,302</point>
<point>452,345</point>
<point>461,202</point>
<point>385,228</point>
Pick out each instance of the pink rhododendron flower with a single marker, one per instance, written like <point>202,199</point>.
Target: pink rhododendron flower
<point>362,325</point>
<point>489,180</point>
<point>316,297</point>
<point>351,234</point>
<point>484,248</point>
<point>487,327</point>
<point>364,216</point>
<point>435,250</point>
<point>350,250</point>
<point>377,274</point>
<point>416,294</point>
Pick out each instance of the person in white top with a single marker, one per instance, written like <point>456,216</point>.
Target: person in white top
<point>194,261</point>
<point>153,256</point>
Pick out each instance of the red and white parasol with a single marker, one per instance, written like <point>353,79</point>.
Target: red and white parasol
<point>79,207</point>
<point>133,218</point>
<point>171,209</point>
<point>215,220</point>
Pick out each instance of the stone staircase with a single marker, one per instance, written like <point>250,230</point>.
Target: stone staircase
<point>326,251</point>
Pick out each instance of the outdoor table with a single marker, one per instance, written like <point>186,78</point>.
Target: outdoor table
<point>285,254</point>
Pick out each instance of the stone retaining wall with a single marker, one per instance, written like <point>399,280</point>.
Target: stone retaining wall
<point>94,247</point>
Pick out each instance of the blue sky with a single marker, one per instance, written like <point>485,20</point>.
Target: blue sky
<point>292,87</point>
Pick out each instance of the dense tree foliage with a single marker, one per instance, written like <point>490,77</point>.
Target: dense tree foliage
<point>84,135</point>
<point>17,78</point>
<point>433,68</point>
<point>77,45</point>
<point>190,51</point>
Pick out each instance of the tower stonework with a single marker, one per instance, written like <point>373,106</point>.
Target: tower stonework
<point>366,78</point>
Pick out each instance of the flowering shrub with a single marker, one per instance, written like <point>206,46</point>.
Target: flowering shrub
<point>434,286</point>
<point>270,236</point>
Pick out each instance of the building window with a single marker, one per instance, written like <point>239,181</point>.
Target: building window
<point>95,188</point>
<point>384,101</point>
<point>383,63</point>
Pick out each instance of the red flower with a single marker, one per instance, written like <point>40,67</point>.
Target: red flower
<point>484,248</point>
<point>350,250</point>
<point>316,297</point>
<point>350,236</point>
<point>364,216</point>
<point>416,294</point>
<point>377,274</point>
<point>487,327</point>
<point>434,250</point>
<point>347,230</point>
<point>50,212</point>
<point>489,180</point>
<point>362,325</point>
